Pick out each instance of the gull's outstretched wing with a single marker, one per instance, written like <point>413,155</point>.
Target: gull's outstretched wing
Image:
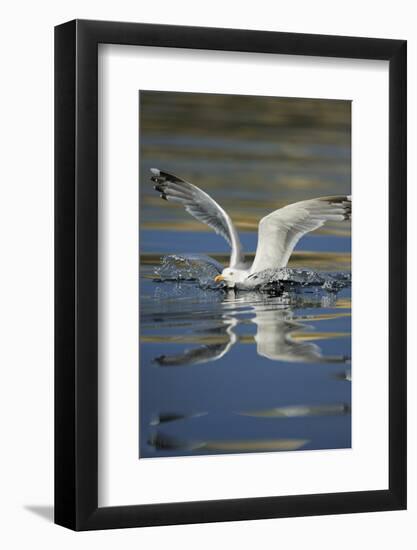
<point>202,207</point>
<point>281,230</point>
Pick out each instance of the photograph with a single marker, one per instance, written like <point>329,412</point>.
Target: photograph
<point>204,345</point>
<point>245,274</point>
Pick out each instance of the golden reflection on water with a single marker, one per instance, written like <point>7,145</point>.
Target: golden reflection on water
<point>244,224</point>
<point>163,442</point>
<point>256,445</point>
<point>318,261</point>
<point>300,410</point>
<point>245,339</point>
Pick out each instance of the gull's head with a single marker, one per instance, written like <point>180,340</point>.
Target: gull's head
<point>231,276</point>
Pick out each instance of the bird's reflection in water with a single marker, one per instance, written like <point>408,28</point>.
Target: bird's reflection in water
<point>165,417</point>
<point>206,352</point>
<point>281,334</point>
<point>302,403</point>
<point>345,375</point>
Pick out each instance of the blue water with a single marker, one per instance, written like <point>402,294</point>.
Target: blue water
<point>226,371</point>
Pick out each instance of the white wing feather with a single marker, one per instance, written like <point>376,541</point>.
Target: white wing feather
<point>281,230</point>
<point>202,207</point>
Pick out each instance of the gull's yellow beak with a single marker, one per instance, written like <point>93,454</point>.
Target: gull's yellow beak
<point>218,278</point>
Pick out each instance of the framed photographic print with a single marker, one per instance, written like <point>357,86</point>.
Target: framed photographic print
<point>230,330</point>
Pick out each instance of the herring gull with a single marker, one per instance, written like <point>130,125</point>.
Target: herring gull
<point>278,232</point>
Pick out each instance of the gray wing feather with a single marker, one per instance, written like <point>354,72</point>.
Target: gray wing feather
<point>202,207</point>
<point>281,230</point>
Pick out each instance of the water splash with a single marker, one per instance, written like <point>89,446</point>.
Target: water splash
<point>202,270</point>
<point>188,267</point>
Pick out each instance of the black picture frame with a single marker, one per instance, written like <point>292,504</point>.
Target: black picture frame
<point>76,271</point>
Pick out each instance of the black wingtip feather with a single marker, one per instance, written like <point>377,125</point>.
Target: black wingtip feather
<point>161,176</point>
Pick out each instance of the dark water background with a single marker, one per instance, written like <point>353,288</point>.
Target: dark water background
<point>242,371</point>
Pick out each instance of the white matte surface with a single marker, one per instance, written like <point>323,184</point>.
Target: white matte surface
<point>123,479</point>
<point>26,222</point>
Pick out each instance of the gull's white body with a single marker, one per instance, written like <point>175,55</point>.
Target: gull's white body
<point>278,232</point>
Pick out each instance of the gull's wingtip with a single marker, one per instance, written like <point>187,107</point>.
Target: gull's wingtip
<point>155,171</point>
